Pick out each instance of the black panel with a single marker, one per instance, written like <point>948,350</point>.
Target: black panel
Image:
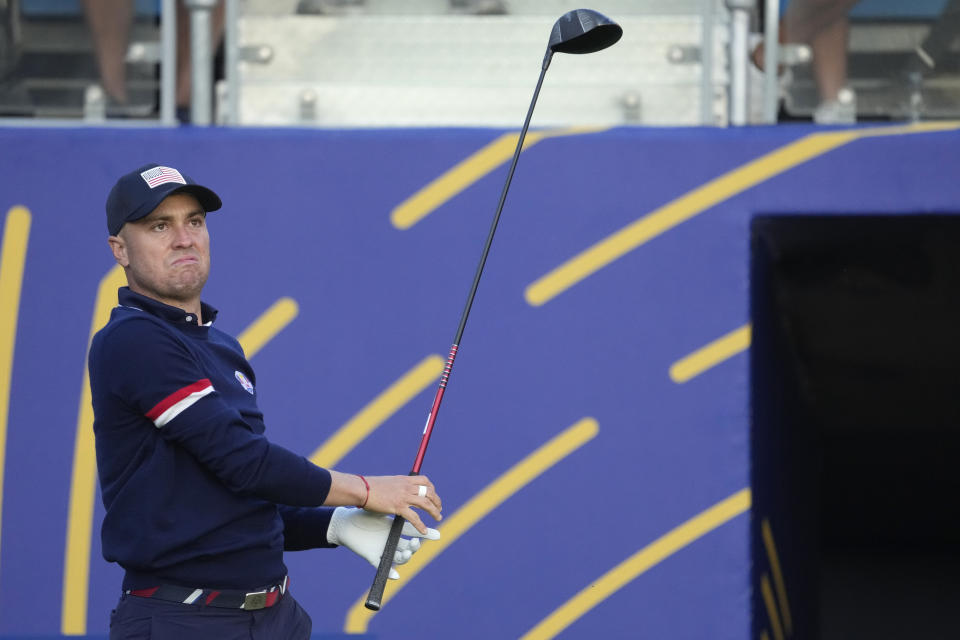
<point>856,431</point>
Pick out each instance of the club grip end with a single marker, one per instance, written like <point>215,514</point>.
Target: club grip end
<point>375,597</point>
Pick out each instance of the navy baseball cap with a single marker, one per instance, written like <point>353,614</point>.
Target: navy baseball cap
<point>139,192</point>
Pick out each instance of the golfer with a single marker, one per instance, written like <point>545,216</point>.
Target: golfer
<point>200,505</point>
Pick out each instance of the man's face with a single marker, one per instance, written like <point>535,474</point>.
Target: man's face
<point>167,253</point>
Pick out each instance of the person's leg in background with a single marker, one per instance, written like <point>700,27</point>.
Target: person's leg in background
<point>824,25</point>
<point>830,58</point>
<point>109,22</point>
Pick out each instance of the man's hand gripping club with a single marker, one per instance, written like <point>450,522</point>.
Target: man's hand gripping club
<point>364,531</point>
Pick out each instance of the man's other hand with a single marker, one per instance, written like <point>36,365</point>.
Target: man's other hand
<point>365,534</point>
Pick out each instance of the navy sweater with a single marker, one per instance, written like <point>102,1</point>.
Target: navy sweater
<point>195,494</point>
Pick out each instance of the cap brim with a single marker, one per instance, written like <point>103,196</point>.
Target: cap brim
<point>207,198</point>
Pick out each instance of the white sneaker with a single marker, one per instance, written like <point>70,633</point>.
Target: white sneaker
<point>842,110</point>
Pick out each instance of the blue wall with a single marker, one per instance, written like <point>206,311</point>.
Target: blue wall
<point>307,215</point>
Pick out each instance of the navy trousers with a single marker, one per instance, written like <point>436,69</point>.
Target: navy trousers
<point>138,618</point>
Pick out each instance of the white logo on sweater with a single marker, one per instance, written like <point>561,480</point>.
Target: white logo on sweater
<point>244,381</point>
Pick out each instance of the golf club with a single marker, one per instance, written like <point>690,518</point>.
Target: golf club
<point>577,31</point>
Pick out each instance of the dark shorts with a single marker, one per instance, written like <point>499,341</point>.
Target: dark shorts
<point>138,618</point>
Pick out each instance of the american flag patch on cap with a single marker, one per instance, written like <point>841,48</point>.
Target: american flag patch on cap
<point>161,175</point>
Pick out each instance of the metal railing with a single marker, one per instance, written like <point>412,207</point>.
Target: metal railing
<point>741,12</point>
<point>732,21</point>
<point>225,109</point>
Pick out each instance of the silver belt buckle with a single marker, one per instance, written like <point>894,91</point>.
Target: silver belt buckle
<point>255,600</point>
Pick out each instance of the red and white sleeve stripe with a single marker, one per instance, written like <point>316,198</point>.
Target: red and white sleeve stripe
<point>178,402</point>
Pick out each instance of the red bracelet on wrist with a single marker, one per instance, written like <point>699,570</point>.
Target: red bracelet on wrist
<point>367,485</point>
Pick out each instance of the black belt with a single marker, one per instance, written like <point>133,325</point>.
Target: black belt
<point>225,598</point>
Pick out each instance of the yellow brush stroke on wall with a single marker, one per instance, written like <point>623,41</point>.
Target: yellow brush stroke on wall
<point>76,578</point>
<point>378,411</point>
<point>469,171</point>
<point>778,582</point>
<point>267,325</point>
<point>76,565</point>
<point>454,526</point>
<point>920,127</point>
<point>13,257</point>
<point>680,210</point>
<point>699,200</point>
<point>711,355</point>
<point>647,557</point>
<point>771,606</point>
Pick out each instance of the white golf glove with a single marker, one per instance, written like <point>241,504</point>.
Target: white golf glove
<point>365,533</point>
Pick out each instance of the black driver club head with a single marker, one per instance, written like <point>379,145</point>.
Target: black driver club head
<point>583,31</point>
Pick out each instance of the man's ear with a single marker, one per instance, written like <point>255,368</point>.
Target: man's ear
<point>119,249</point>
